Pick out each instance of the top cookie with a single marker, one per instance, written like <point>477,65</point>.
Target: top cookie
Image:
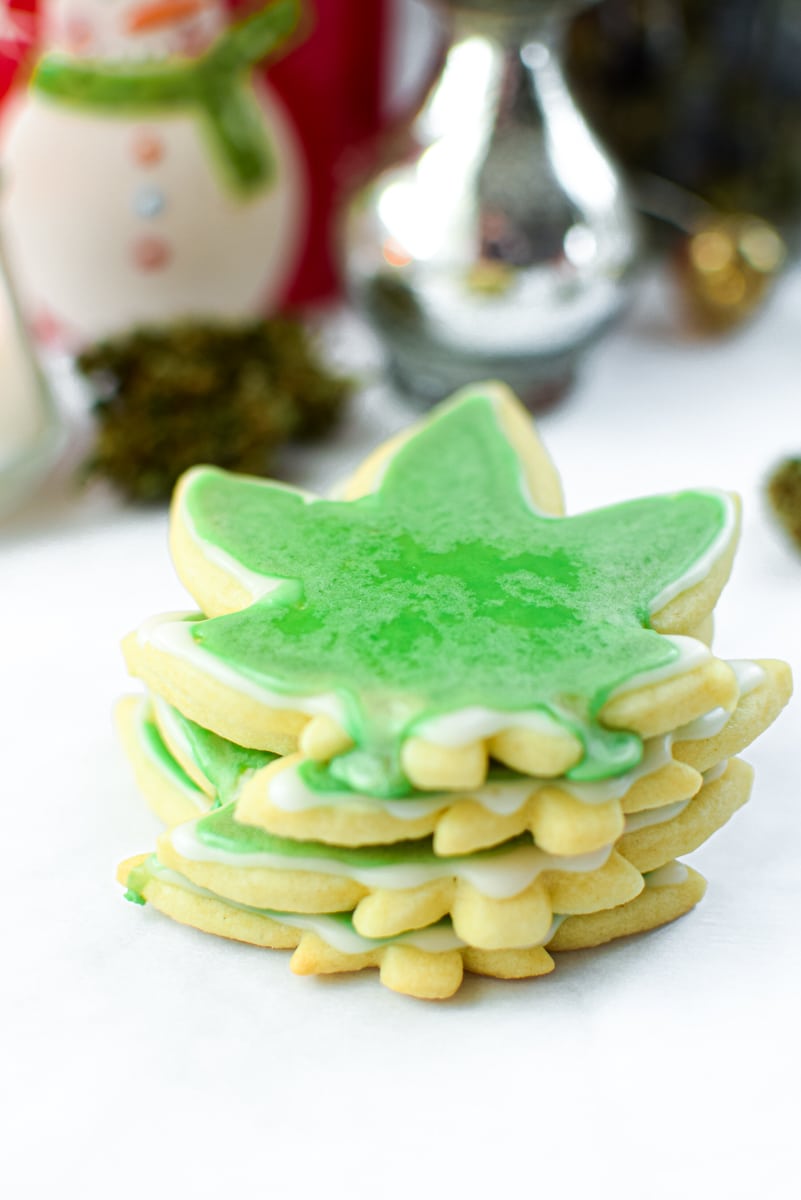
<point>444,611</point>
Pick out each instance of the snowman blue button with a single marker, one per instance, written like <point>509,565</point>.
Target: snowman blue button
<point>149,202</point>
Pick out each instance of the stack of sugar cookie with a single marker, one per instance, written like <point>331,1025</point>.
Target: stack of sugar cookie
<point>435,724</point>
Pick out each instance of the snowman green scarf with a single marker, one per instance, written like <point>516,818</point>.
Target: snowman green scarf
<point>216,86</point>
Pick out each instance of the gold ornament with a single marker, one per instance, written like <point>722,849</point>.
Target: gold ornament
<point>727,268</point>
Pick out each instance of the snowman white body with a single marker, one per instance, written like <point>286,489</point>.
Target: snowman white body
<point>113,221</point>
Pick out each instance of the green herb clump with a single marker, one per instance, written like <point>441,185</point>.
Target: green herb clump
<point>784,493</point>
<point>168,398</point>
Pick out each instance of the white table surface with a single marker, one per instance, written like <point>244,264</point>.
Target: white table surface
<point>141,1058</point>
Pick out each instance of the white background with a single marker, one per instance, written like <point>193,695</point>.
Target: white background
<point>144,1059</point>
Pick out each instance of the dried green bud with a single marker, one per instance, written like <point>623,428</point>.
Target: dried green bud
<point>168,398</point>
<point>784,492</point>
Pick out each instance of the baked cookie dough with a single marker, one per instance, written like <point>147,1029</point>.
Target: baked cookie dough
<point>436,724</point>
<point>427,963</point>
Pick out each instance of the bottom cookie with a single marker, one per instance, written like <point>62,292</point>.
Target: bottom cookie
<point>426,963</point>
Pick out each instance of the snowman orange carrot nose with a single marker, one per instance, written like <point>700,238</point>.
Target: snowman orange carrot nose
<point>146,17</point>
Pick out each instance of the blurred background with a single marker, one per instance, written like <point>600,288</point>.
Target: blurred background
<point>222,221</point>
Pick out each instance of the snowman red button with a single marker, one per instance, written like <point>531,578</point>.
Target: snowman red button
<point>151,252</point>
<point>148,148</point>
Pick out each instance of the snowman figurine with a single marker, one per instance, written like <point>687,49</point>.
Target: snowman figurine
<point>146,177</point>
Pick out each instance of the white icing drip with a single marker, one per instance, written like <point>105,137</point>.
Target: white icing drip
<point>498,876</point>
<point>702,727</point>
<point>171,634</point>
<point>334,933</point>
<point>145,632</point>
<point>749,674</point>
<point>671,873</point>
<point>656,754</point>
<point>289,792</point>
<point>189,790</point>
<point>506,797</point>
<point>654,816</point>
<point>174,637</point>
<point>253,582</point>
<point>256,585</point>
<point>173,732</point>
<point>520,868</point>
<point>749,677</point>
<point>716,772</point>
<point>702,565</point>
<point>434,939</point>
<point>692,654</point>
<point>475,723</point>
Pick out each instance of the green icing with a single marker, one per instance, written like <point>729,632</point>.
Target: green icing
<point>215,85</point>
<point>137,882</point>
<point>444,590</point>
<point>154,743</point>
<point>324,779</point>
<point>220,830</point>
<point>222,762</point>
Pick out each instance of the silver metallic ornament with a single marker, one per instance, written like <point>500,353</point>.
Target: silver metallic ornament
<point>506,247</point>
